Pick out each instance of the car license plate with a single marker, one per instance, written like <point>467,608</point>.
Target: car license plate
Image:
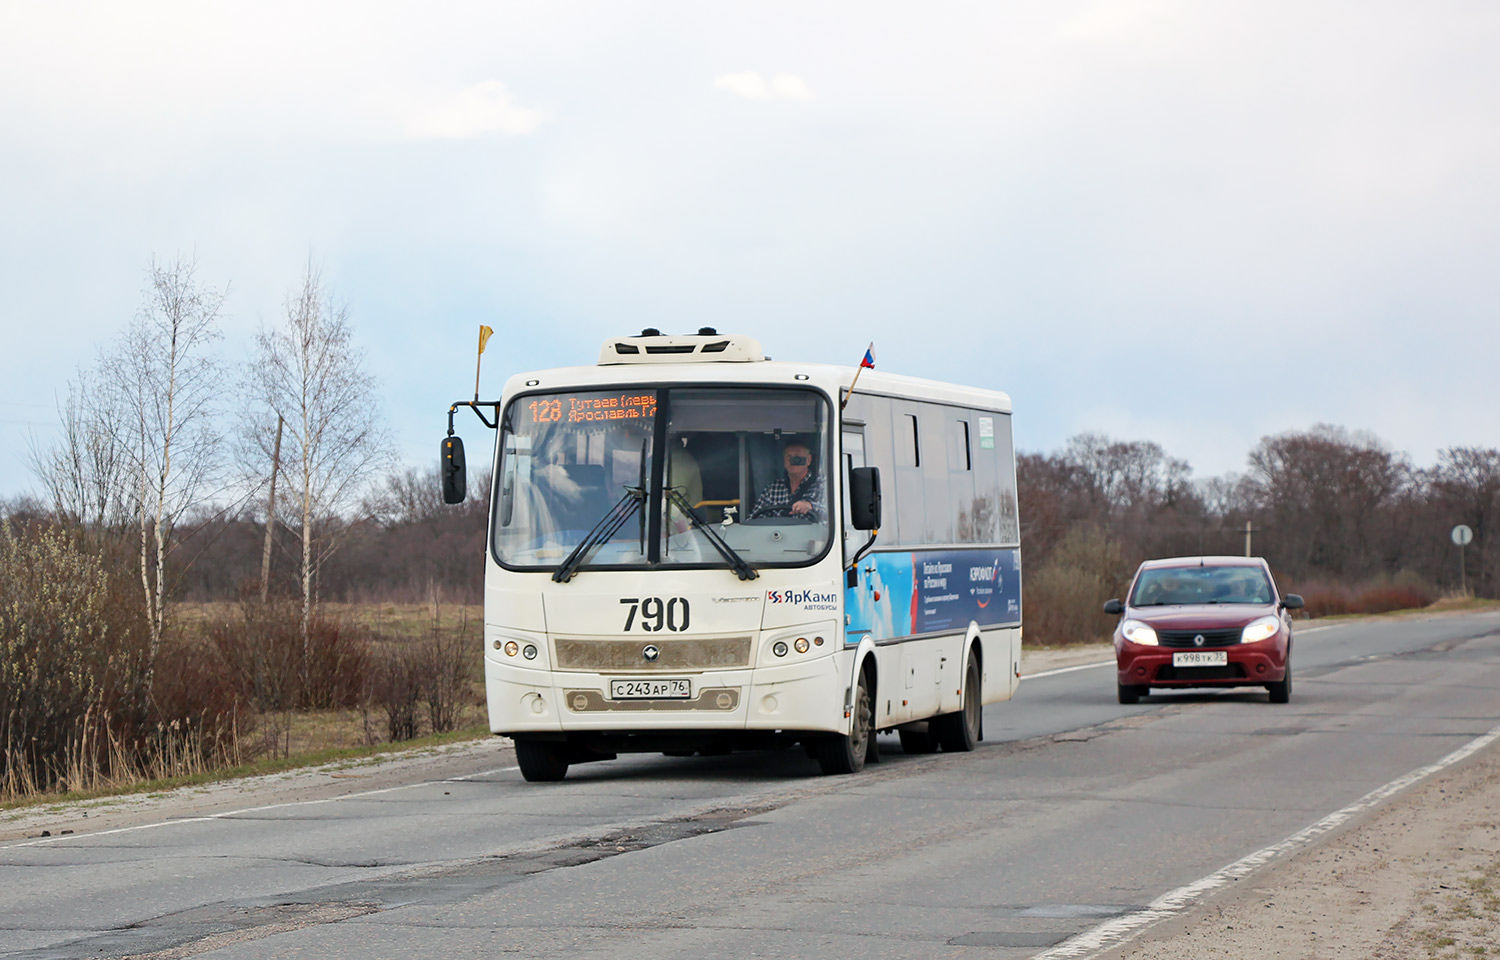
<point>663,688</point>
<point>1200,658</point>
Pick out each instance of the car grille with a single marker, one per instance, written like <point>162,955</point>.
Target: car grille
<point>673,655</point>
<point>1233,671</point>
<point>1188,638</point>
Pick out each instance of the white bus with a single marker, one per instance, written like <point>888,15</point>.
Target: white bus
<point>687,554</point>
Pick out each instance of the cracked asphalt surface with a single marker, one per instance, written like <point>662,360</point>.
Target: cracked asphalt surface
<point>1074,810</point>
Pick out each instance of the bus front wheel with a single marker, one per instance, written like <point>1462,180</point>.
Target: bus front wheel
<point>846,754</point>
<point>541,761</point>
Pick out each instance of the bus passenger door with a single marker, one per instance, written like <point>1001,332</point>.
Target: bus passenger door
<point>859,599</point>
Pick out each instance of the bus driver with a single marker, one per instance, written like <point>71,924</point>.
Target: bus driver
<point>798,493</point>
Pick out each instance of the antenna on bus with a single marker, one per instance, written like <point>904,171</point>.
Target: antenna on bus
<point>867,361</point>
<point>484,337</point>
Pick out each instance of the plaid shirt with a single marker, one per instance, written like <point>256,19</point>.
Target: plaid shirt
<point>777,499</point>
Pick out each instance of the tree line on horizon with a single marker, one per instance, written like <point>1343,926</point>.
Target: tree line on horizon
<point>1338,515</point>
<point>1327,507</point>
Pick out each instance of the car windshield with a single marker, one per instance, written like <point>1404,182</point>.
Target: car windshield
<point>1163,586</point>
<point>746,461</point>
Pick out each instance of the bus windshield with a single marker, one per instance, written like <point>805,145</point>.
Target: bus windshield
<point>749,462</point>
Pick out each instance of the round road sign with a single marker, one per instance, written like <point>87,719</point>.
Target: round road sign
<point>1462,535</point>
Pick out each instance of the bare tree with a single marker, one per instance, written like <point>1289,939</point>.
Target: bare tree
<point>82,473</point>
<point>308,372</point>
<point>163,384</point>
<point>1466,485</point>
<point>1328,495</point>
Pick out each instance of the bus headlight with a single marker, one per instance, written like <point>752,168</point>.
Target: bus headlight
<point>779,648</point>
<point>511,648</point>
<point>1137,632</point>
<point>529,652</point>
<point>800,645</point>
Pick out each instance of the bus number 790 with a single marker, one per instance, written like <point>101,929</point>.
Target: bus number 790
<point>657,614</point>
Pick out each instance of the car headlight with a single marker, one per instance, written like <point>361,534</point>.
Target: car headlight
<point>1137,632</point>
<point>1263,629</point>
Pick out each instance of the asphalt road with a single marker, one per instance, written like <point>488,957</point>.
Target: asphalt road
<point>1074,811</point>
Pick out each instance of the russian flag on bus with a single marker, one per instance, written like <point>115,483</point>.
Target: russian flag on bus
<point>869,360</point>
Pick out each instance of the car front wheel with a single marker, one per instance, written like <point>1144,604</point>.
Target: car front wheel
<point>1281,690</point>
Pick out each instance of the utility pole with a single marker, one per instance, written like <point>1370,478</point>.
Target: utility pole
<point>265,556</point>
<point>1249,529</point>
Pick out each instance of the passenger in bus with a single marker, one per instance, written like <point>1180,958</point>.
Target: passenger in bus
<point>798,493</point>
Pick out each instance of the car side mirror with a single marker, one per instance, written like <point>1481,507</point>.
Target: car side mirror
<point>1114,607</point>
<point>1292,601</point>
<point>451,466</point>
<point>864,498</point>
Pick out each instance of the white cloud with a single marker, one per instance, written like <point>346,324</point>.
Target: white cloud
<point>481,110</point>
<point>752,86</point>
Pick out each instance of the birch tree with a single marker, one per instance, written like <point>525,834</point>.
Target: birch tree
<point>83,471</point>
<point>162,385</point>
<point>308,371</point>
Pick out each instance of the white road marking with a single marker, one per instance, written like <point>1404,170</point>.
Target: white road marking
<point>1114,932</point>
<point>1061,670</point>
<point>238,813</point>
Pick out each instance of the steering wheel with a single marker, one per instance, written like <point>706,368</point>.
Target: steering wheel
<point>781,513</point>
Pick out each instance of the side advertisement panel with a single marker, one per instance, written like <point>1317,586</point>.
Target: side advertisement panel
<point>928,591</point>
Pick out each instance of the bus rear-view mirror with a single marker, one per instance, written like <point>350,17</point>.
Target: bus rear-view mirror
<point>451,466</point>
<point>864,498</point>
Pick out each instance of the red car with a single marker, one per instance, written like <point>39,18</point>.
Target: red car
<point>1204,622</point>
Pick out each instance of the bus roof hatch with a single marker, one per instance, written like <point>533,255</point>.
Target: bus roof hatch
<point>705,346</point>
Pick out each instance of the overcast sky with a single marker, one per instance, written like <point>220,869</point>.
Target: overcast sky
<point>1193,223</point>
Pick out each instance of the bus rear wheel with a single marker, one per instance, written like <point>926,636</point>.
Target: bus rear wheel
<point>958,732</point>
<point>846,754</point>
<point>541,760</point>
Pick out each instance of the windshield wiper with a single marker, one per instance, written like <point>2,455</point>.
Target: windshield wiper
<point>603,530</point>
<point>741,568</point>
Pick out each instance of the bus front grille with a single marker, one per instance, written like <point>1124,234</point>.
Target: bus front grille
<point>673,655</point>
<point>592,701</point>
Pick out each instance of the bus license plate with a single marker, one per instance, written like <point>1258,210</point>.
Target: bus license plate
<point>664,688</point>
<point>1200,658</point>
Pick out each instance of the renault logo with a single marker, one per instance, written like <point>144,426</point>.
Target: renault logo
<point>650,653</point>
<point>1198,640</point>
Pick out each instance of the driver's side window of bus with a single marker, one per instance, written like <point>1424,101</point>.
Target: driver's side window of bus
<point>786,479</point>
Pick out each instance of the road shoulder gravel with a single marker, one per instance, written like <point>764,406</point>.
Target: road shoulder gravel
<point>1418,876</point>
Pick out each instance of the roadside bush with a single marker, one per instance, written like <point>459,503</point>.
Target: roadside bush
<point>1064,599</point>
<point>73,662</point>
<point>261,652</point>
<point>1403,592</point>
<point>1325,599</point>
<point>266,661</point>
<point>432,672</point>
<point>446,678</point>
<point>397,686</point>
<point>338,664</point>
<point>203,719</point>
